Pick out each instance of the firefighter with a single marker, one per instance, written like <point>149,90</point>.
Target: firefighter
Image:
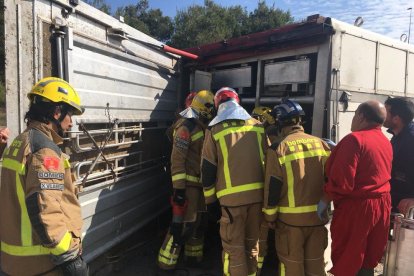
<point>294,179</point>
<point>262,114</point>
<point>187,103</point>
<point>232,172</point>
<point>189,213</point>
<point>40,216</point>
<point>358,174</point>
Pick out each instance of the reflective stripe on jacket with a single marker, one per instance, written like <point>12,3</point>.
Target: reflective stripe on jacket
<point>294,178</point>
<point>188,140</point>
<point>39,211</point>
<point>236,149</point>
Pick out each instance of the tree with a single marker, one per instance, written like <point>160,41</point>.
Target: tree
<point>149,21</point>
<point>100,5</point>
<point>266,18</point>
<point>209,23</point>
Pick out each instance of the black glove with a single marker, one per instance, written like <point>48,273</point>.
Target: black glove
<point>75,267</point>
<point>214,211</point>
<point>179,197</point>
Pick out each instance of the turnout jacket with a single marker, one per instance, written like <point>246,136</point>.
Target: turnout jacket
<point>40,216</point>
<point>294,178</point>
<point>232,162</point>
<point>188,138</point>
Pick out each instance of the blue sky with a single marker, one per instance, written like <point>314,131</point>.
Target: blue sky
<point>388,17</point>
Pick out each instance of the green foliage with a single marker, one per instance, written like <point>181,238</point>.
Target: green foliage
<point>211,22</point>
<point>266,18</point>
<point>149,21</point>
<point>203,24</point>
<point>100,5</point>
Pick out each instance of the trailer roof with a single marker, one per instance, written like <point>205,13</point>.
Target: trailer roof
<point>314,30</point>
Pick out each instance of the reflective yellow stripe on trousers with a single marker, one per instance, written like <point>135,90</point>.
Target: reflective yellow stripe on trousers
<point>27,248</point>
<point>287,161</point>
<point>220,137</point>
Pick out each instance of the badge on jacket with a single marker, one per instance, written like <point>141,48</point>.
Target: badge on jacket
<point>51,162</point>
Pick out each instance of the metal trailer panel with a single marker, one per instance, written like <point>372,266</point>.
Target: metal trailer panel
<point>134,92</point>
<point>357,61</point>
<point>138,82</point>
<point>392,67</point>
<point>296,71</point>
<point>237,78</point>
<point>410,73</point>
<point>322,88</point>
<point>200,80</point>
<point>391,58</point>
<point>113,212</point>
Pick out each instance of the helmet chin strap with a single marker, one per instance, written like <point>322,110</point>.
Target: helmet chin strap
<point>57,122</point>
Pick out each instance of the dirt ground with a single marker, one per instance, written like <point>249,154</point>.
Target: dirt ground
<point>138,257</point>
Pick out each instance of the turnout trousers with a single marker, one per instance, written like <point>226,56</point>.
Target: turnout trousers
<point>359,231</point>
<point>239,232</point>
<point>264,231</point>
<point>195,221</point>
<point>300,249</point>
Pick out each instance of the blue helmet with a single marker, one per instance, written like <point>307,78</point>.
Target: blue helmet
<point>287,110</point>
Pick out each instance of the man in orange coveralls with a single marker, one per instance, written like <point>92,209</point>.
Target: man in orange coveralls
<point>358,174</point>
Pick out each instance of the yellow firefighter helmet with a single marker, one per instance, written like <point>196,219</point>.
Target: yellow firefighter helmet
<point>203,103</point>
<point>58,91</point>
<point>262,113</point>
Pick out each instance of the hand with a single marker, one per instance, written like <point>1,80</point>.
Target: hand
<point>322,210</point>
<point>4,135</point>
<point>75,267</point>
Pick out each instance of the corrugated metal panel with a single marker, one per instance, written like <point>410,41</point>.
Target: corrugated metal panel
<point>134,91</point>
<point>138,82</point>
<point>114,211</point>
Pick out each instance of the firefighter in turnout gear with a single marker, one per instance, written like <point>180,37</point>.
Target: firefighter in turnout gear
<point>40,216</point>
<point>294,180</point>
<point>189,211</point>
<point>232,172</point>
<point>263,114</point>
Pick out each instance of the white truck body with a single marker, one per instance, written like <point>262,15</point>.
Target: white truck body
<point>313,62</point>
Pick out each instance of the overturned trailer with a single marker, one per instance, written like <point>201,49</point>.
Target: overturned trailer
<point>128,86</point>
<point>131,88</point>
